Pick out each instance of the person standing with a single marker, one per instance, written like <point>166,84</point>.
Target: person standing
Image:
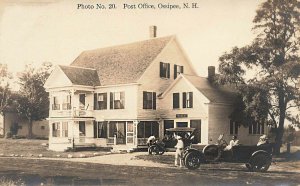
<point>179,151</point>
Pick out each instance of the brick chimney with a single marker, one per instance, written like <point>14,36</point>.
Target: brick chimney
<point>152,31</point>
<point>211,72</point>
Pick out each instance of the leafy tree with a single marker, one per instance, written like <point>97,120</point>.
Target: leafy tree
<point>266,71</point>
<point>5,92</point>
<point>33,102</point>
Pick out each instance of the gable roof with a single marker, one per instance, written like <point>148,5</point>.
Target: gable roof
<point>213,93</point>
<point>81,76</point>
<point>124,63</point>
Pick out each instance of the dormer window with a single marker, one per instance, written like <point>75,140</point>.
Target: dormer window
<point>164,70</point>
<point>177,70</point>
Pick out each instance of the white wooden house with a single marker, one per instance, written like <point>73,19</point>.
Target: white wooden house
<point>119,96</point>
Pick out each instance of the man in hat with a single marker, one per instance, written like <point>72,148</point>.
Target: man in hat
<point>179,151</point>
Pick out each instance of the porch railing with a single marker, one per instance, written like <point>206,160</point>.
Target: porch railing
<point>71,113</point>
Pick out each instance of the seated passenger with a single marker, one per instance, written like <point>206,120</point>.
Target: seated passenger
<point>233,142</point>
<point>263,140</point>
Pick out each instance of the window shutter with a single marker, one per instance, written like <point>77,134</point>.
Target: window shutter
<point>144,100</point>
<point>154,101</point>
<point>191,99</point>
<point>161,68</point>
<point>95,129</point>
<point>175,71</point>
<point>111,100</point>
<point>95,102</point>
<point>181,69</point>
<point>168,72</point>
<point>175,100</point>
<point>184,100</point>
<point>122,95</point>
<point>236,128</point>
<point>105,101</point>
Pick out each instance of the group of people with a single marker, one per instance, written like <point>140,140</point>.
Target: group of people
<point>180,146</point>
<point>235,142</point>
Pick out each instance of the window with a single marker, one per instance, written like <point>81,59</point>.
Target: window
<point>164,70</point>
<point>197,125</point>
<point>234,127</point>
<point>100,101</point>
<point>56,129</point>
<point>147,129</point>
<point>256,128</point>
<point>81,128</point>
<point>187,99</point>
<point>149,100</point>
<point>182,124</point>
<point>67,103</point>
<point>82,101</point>
<point>175,100</point>
<point>100,129</point>
<point>168,124</point>
<point>64,129</point>
<point>42,127</point>
<point>55,105</point>
<point>177,70</point>
<point>117,100</point>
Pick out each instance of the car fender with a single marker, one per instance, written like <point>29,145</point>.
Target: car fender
<point>190,150</point>
<point>261,152</point>
<point>208,146</point>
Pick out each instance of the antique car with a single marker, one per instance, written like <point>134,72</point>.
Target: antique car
<point>169,141</point>
<point>256,158</point>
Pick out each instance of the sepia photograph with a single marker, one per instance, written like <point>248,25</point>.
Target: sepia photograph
<point>149,92</point>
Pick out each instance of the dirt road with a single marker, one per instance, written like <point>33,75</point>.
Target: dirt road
<point>37,171</point>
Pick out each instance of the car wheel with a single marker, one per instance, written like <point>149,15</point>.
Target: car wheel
<point>151,150</point>
<point>192,161</point>
<point>212,153</point>
<point>260,162</point>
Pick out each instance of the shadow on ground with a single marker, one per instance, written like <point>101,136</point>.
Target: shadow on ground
<point>21,178</point>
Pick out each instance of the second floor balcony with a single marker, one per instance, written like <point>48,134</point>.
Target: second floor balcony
<point>65,110</point>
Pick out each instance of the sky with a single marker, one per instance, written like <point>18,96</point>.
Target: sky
<point>37,31</point>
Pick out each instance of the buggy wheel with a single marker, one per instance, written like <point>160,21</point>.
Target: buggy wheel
<point>260,162</point>
<point>192,161</point>
<point>152,150</point>
<point>212,153</point>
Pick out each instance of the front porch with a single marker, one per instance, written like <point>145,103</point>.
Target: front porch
<point>86,132</point>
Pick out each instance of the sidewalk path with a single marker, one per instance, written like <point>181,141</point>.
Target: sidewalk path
<point>118,159</point>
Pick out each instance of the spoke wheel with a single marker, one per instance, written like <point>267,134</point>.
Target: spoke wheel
<point>192,161</point>
<point>260,163</point>
<point>152,150</point>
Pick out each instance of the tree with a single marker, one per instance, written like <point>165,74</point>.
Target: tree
<point>266,71</point>
<point>33,102</point>
<point>5,92</point>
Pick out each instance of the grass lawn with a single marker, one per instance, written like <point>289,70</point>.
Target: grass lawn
<point>34,147</point>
